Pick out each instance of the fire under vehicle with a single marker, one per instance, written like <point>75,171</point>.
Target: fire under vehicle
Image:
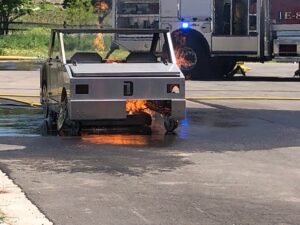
<point>210,36</point>
<point>91,81</point>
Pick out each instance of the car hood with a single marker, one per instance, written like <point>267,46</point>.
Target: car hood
<point>125,70</point>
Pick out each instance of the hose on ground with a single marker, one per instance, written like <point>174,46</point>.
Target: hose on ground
<point>242,98</point>
<point>14,98</point>
<point>27,103</point>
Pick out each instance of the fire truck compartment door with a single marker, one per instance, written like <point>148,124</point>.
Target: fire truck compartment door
<point>195,9</point>
<point>169,8</point>
<point>236,27</point>
<point>185,9</point>
<point>233,45</point>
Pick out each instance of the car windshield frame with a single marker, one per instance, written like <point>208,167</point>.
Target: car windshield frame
<point>59,34</point>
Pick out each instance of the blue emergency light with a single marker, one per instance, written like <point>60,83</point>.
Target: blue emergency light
<point>185,25</point>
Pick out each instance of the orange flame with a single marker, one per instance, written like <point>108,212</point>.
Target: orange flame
<point>115,139</point>
<point>102,6</point>
<point>134,106</point>
<point>99,42</point>
<point>180,41</point>
<point>181,58</point>
<point>113,60</point>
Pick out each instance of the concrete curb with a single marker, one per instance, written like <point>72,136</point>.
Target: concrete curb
<point>17,209</point>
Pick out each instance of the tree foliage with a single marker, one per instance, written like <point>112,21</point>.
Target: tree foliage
<point>100,7</point>
<point>10,10</point>
<point>67,3</point>
<point>79,12</point>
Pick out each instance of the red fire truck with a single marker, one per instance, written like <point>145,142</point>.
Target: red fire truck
<point>210,36</point>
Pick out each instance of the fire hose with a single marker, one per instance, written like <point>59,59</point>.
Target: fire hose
<point>199,98</point>
<point>15,98</point>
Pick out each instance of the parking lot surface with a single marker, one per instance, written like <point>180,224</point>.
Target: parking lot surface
<point>231,161</point>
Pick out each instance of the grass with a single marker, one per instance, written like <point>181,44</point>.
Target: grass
<point>33,42</point>
<point>45,13</point>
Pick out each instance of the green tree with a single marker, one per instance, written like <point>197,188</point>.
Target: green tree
<point>67,3</point>
<point>10,10</point>
<point>80,12</point>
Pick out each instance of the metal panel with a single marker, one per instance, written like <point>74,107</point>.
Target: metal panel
<point>285,11</point>
<point>97,110</point>
<point>113,109</point>
<point>169,8</point>
<point>198,9</point>
<point>103,88</point>
<point>286,41</point>
<point>178,109</point>
<point>125,69</point>
<point>235,45</point>
<point>286,27</point>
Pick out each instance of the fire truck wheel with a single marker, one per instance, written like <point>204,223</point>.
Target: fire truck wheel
<point>192,56</point>
<point>170,124</point>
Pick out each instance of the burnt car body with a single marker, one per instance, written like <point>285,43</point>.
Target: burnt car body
<point>95,84</point>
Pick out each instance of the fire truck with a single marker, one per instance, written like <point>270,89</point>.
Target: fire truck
<point>210,36</point>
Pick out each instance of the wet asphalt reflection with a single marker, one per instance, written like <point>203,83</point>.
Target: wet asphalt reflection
<point>30,122</point>
<point>20,121</point>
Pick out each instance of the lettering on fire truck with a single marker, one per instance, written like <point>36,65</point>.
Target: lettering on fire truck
<point>289,15</point>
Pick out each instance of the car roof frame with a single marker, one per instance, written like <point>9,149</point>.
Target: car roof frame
<point>62,31</point>
<point>109,30</point>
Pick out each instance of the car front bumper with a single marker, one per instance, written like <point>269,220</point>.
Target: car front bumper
<point>87,110</point>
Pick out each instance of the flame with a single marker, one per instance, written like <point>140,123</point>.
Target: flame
<point>113,59</point>
<point>134,106</point>
<point>116,139</point>
<point>180,41</point>
<point>179,38</point>
<point>99,42</point>
<point>102,6</point>
<point>181,58</point>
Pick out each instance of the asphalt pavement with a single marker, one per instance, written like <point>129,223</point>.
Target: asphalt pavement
<point>230,162</point>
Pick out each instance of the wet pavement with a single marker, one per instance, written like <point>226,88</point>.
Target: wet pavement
<point>230,162</point>
<point>20,121</point>
<point>226,165</point>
